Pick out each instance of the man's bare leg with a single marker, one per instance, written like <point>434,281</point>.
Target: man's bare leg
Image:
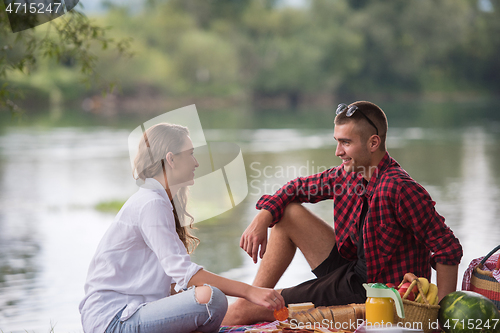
<point>298,228</point>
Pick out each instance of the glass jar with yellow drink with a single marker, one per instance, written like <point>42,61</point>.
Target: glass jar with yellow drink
<point>380,304</point>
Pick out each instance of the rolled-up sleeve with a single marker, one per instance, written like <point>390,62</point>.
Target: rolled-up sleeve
<point>310,189</point>
<point>157,226</point>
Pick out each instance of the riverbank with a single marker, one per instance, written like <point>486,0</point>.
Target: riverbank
<point>149,102</point>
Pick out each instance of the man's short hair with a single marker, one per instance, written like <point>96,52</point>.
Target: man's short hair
<point>374,113</point>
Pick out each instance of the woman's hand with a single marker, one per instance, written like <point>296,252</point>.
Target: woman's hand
<point>268,298</point>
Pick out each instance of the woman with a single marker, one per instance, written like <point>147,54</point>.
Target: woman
<point>145,252</point>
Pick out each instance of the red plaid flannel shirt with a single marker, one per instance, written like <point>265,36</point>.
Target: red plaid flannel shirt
<point>402,233</point>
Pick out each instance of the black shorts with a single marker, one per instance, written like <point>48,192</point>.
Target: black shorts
<point>336,283</point>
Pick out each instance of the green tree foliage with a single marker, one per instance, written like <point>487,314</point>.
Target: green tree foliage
<point>228,48</point>
<point>176,52</point>
<point>286,52</point>
<point>205,12</point>
<point>403,39</point>
<point>477,59</point>
<point>329,46</point>
<point>68,41</point>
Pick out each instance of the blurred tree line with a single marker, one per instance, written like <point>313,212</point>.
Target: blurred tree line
<point>45,61</point>
<point>261,48</point>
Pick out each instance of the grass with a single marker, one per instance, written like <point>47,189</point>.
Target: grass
<point>112,206</point>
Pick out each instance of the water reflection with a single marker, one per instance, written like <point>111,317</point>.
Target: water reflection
<point>50,181</point>
<point>478,196</point>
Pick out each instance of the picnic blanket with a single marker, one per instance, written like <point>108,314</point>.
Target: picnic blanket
<point>243,328</point>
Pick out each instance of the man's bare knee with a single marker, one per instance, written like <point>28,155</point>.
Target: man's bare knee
<point>203,294</point>
<point>293,207</point>
<point>292,210</point>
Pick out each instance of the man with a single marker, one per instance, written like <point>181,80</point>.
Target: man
<point>385,225</point>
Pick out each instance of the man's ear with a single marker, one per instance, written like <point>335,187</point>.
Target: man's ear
<point>374,143</point>
<point>170,159</point>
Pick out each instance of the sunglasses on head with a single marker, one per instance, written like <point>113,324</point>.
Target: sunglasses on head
<point>350,111</point>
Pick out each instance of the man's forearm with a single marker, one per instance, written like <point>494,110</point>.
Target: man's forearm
<point>446,279</point>
<point>311,189</point>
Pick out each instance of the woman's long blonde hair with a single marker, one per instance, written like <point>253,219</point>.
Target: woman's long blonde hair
<point>149,162</point>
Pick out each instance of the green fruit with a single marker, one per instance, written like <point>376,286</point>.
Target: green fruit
<point>467,311</point>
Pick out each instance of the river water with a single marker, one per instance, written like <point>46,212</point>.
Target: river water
<point>52,177</point>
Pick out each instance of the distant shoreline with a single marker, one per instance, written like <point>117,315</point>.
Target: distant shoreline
<point>143,103</point>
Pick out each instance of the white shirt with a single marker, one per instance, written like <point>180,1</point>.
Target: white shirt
<point>137,260</point>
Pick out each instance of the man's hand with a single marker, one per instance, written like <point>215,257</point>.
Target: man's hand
<point>255,235</point>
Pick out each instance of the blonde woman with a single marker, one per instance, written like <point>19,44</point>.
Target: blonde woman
<point>146,250</point>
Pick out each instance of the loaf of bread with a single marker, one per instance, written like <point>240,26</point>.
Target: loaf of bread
<point>298,307</point>
<point>339,316</point>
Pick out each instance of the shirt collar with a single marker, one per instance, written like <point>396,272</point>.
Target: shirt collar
<point>153,185</point>
<point>383,165</point>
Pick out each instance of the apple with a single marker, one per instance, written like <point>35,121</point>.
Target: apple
<point>415,289</point>
<point>411,295</point>
<point>391,285</point>
<point>407,285</point>
<point>404,288</point>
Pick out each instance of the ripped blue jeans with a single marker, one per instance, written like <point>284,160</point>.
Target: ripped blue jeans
<point>179,313</point>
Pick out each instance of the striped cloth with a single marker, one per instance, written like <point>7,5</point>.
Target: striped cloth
<point>243,328</point>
